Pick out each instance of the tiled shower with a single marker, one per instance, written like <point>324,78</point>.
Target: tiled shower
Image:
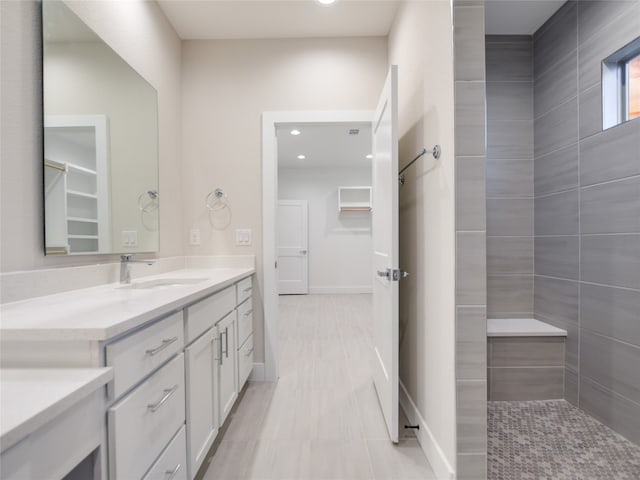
<point>563,203</point>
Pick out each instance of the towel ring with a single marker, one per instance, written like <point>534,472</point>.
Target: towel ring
<point>216,200</point>
<point>148,201</point>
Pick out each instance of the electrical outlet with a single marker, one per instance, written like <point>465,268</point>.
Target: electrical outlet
<point>243,236</point>
<point>129,238</point>
<point>194,236</point>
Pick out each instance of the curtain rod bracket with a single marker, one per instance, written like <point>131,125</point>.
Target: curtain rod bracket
<point>436,151</point>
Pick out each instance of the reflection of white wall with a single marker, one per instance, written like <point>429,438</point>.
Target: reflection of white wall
<point>89,78</point>
<point>339,243</point>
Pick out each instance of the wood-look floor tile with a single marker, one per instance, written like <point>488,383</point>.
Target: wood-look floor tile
<point>322,419</point>
<point>404,461</point>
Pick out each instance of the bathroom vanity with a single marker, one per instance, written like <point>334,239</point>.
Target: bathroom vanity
<point>179,347</point>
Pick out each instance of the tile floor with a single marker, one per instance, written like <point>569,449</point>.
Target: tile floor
<point>552,439</point>
<point>322,419</point>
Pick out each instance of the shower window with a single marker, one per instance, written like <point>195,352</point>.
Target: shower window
<point>621,85</point>
<point>633,87</point>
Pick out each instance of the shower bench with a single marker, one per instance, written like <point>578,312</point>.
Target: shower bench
<point>525,359</point>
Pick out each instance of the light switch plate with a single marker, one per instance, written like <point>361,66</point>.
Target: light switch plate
<point>129,238</point>
<point>243,236</point>
<point>194,236</point>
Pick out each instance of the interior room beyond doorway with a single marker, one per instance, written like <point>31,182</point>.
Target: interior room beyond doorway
<point>324,208</point>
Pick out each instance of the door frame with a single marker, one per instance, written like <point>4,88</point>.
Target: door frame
<point>271,120</point>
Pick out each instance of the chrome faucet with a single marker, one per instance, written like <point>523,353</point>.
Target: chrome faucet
<point>125,267</point>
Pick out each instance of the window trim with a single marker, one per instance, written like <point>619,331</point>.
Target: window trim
<point>615,85</point>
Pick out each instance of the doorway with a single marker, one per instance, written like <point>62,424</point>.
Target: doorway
<point>285,122</point>
<point>383,251</point>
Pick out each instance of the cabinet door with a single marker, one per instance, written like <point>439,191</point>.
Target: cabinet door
<point>228,366</point>
<point>202,398</point>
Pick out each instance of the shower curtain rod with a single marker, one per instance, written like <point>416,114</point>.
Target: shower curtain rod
<point>435,151</point>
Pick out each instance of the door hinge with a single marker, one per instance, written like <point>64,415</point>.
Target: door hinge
<point>394,275</point>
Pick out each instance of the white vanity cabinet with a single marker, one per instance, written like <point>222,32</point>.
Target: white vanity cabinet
<point>227,365</point>
<point>139,354</point>
<point>142,423</point>
<point>177,367</point>
<point>202,397</point>
<point>245,341</point>
<point>172,464</point>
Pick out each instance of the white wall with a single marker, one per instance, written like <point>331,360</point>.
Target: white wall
<point>140,33</point>
<point>339,243</point>
<point>420,43</point>
<point>226,85</point>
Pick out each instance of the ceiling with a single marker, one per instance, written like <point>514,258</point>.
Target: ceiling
<point>518,17</point>
<point>324,146</point>
<point>252,19</point>
<point>262,19</point>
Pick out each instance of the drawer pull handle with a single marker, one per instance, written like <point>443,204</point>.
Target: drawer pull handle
<point>167,393</point>
<point>249,352</point>
<point>247,290</point>
<point>172,473</point>
<point>165,344</point>
<point>248,312</point>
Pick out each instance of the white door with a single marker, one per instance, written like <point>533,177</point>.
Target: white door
<point>385,252</point>
<point>292,247</point>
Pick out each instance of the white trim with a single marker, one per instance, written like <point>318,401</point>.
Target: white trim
<point>269,205</point>
<point>426,439</point>
<point>257,373</point>
<point>347,290</point>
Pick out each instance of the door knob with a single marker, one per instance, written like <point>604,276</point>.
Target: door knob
<point>303,252</point>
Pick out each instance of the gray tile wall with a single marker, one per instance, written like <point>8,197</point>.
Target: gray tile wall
<point>587,210</point>
<point>510,176</point>
<point>471,257</point>
<point>525,368</point>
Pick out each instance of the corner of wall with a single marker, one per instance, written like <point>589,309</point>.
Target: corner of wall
<point>471,225</point>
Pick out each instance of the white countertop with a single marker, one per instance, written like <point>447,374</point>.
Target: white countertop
<point>29,398</point>
<point>103,312</point>
<point>522,327</point>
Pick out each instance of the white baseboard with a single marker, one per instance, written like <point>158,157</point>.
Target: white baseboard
<point>427,441</point>
<point>347,290</point>
<point>257,374</point>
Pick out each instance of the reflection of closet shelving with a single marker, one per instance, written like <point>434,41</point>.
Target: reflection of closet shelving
<point>77,203</point>
<point>354,199</point>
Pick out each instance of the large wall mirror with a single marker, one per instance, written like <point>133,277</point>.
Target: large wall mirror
<point>100,144</point>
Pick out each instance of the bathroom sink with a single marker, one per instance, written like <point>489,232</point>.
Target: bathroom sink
<point>162,282</point>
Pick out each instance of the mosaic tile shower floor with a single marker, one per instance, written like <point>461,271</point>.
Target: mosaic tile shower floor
<point>553,440</point>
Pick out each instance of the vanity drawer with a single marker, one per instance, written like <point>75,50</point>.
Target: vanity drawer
<point>203,315</point>
<point>173,461</point>
<point>245,321</point>
<point>244,288</point>
<point>137,355</point>
<point>245,361</point>
<point>143,422</point>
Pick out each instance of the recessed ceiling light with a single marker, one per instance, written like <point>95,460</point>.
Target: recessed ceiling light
<point>369,156</point>
<point>326,2</point>
<point>295,132</point>
<point>301,157</point>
